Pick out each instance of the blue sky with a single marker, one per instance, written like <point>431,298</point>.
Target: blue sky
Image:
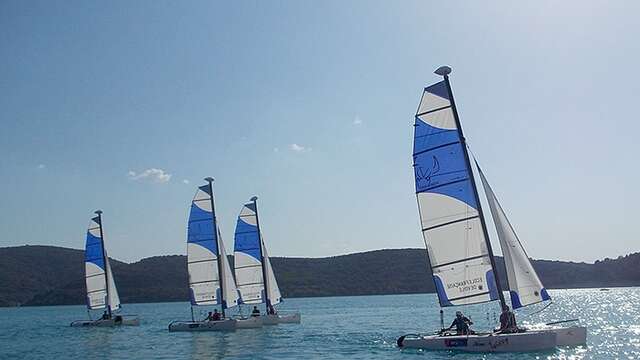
<point>126,106</point>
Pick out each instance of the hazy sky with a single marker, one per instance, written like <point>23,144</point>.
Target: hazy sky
<point>126,106</point>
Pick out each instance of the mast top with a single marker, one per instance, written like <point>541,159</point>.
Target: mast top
<point>98,212</point>
<point>208,179</point>
<point>254,198</point>
<point>443,70</point>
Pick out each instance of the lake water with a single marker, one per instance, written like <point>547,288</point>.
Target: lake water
<point>362,327</point>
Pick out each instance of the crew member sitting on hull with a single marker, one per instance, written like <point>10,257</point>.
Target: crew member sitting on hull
<point>216,316</point>
<point>255,311</point>
<point>105,315</point>
<point>507,321</point>
<point>271,310</point>
<point>461,323</point>
<point>209,317</point>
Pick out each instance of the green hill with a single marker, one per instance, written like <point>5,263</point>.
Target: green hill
<point>48,275</point>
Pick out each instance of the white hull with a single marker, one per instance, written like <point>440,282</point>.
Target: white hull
<point>293,318</point>
<point>569,336</point>
<point>222,325</point>
<point>249,323</point>
<point>520,342</point>
<point>116,321</point>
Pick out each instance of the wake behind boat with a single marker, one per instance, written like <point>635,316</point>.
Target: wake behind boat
<point>457,240</point>
<point>211,282</point>
<point>101,287</point>
<point>254,274</point>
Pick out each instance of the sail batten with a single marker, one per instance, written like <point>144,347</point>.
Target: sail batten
<point>525,287</point>
<point>451,222</point>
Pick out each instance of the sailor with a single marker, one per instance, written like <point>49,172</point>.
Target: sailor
<point>105,315</point>
<point>461,323</point>
<point>209,317</point>
<point>507,321</point>
<point>255,311</point>
<point>271,310</point>
<point>216,315</point>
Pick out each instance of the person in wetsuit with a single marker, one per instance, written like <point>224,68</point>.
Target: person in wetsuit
<point>462,324</point>
<point>507,321</point>
<point>216,315</point>
<point>255,311</point>
<point>105,316</point>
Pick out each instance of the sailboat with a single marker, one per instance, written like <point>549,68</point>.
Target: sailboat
<point>102,293</point>
<point>254,274</point>
<point>211,282</point>
<point>458,244</point>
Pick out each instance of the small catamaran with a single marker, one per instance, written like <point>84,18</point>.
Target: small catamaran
<point>254,275</point>
<point>211,282</point>
<point>457,241</point>
<point>102,293</point>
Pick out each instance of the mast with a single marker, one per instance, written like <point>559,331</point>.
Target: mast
<point>444,71</point>
<point>217,234</point>
<point>104,259</point>
<point>264,269</point>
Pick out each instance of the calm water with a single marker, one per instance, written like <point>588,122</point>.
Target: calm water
<point>346,327</point>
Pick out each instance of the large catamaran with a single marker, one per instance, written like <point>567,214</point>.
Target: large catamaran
<point>458,244</point>
<point>102,293</point>
<point>211,282</point>
<point>254,274</point>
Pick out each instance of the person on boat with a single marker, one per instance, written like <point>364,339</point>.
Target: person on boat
<point>507,321</point>
<point>216,316</point>
<point>462,324</point>
<point>105,315</point>
<point>255,311</point>
<point>271,310</point>
<point>209,317</point>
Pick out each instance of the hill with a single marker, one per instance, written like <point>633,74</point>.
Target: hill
<point>48,275</point>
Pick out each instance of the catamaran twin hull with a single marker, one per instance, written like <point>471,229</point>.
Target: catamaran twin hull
<point>221,325</point>
<point>117,321</point>
<point>521,342</point>
<point>293,318</point>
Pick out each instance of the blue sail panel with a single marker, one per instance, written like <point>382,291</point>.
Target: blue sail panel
<point>247,239</point>
<point>95,267</point>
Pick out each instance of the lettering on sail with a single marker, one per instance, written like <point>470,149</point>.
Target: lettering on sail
<point>467,285</point>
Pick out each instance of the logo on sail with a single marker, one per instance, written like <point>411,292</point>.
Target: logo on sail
<point>426,175</point>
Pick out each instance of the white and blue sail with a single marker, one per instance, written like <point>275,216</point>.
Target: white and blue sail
<point>210,278</point>
<point>525,287</point>
<point>450,213</point>
<point>101,288</point>
<point>254,274</point>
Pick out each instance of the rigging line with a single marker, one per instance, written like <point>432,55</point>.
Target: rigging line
<point>539,311</point>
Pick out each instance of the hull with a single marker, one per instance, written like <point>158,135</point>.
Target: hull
<point>117,321</point>
<point>222,325</point>
<point>521,342</point>
<point>249,323</point>
<point>569,336</point>
<point>293,318</point>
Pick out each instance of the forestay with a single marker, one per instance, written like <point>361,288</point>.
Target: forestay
<point>525,287</point>
<point>451,224</point>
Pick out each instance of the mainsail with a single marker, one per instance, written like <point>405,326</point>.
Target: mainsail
<point>525,287</point>
<point>254,274</point>
<point>101,288</point>
<point>206,256</point>
<point>452,221</point>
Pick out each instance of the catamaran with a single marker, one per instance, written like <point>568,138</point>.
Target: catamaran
<point>458,244</point>
<point>254,274</point>
<point>102,293</point>
<point>211,282</point>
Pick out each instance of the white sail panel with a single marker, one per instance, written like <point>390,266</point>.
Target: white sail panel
<point>273,291</point>
<point>230,291</point>
<point>451,225</point>
<point>114,298</point>
<point>525,287</point>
